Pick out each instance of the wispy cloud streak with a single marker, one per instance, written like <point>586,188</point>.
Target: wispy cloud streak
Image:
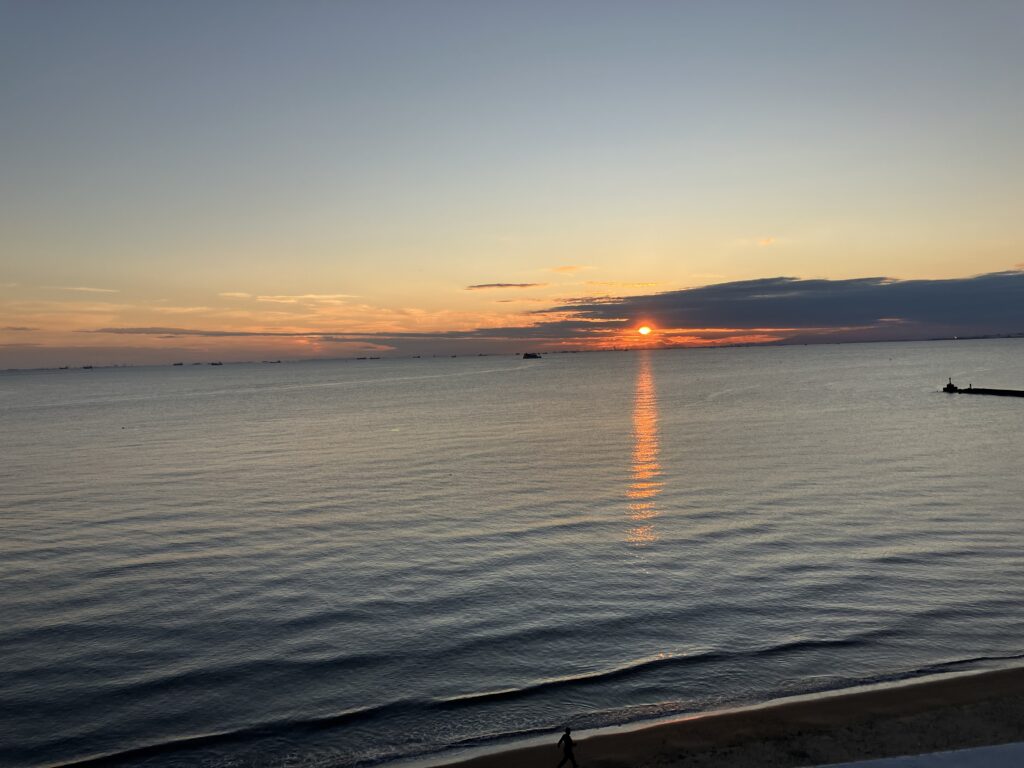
<point>488,286</point>
<point>308,298</point>
<point>79,289</point>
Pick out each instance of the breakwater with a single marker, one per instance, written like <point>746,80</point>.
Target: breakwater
<point>951,388</point>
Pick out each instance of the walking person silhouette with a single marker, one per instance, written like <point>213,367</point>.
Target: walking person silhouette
<point>566,743</point>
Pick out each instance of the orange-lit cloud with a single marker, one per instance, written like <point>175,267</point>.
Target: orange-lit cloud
<point>181,310</point>
<point>314,298</point>
<point>488,286</point>
<point>620,284</point>
<point>79,288</point>
<point>569,269</point>
<point>695,340</point>
<point>764,242</point>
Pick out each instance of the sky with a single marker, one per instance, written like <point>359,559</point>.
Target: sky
<point>249,180</point>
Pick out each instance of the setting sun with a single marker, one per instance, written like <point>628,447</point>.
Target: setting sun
<point>643,330</point>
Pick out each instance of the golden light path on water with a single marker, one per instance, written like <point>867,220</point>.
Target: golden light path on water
<point>645,469</point>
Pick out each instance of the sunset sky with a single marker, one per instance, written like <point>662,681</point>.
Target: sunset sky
<point>243,180</point>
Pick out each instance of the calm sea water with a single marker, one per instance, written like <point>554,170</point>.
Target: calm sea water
<point>339,563</point>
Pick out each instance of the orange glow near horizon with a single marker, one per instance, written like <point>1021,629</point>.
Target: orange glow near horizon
<point>643,330</point>
<point>682,337</point>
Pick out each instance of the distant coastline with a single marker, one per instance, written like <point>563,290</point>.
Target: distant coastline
<point>172,364</point>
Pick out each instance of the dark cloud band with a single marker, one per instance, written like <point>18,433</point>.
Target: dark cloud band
<point>992,303</point>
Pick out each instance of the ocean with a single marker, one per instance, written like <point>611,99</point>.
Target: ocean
<point>347,563</point>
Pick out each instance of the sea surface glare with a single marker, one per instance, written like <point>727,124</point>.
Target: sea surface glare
<point>341,563</point>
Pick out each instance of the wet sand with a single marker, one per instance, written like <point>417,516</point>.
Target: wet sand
<point>952,712</point>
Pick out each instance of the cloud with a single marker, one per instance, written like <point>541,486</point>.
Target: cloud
<point>569,269</point>
<point>17,328</point>
<point>235,295</point>
<point>620,284</point>
<point>764,242</point>
<point>308,298</point>
<point>488,286</point>
<point>180,310</point>
<point>541,330</point>
<point>862,307</point>
<point>769,310</point>
<point>161,331</point>
<point>79,288</point>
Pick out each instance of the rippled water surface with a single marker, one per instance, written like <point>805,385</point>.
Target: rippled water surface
<point>336,563</point>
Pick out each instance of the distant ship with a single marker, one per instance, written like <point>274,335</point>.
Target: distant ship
<point>177,363</point>
<point>531,356</point>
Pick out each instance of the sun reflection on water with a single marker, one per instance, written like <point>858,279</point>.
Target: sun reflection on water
<point>645,468</point>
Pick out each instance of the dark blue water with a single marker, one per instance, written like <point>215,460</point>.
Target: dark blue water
<point>340,563</point>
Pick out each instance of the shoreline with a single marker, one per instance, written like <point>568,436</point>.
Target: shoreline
<point>954,710</point>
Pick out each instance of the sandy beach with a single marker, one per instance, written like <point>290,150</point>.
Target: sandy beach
<point>947,713</point>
